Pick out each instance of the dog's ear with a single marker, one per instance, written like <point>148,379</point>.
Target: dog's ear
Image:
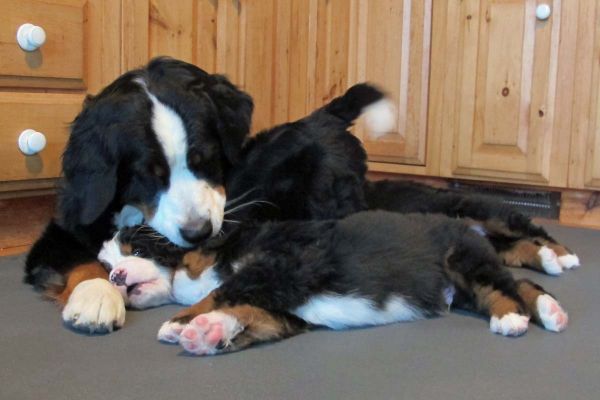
<point>90,171</point>
<point>234,115</point>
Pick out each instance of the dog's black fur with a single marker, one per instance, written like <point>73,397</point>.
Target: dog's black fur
<point>372,256</point>
<point>503,225</point>
<point>113,158</point>
<point>309,169</point>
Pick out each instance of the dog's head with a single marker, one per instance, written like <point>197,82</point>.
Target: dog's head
<point>162,139</point>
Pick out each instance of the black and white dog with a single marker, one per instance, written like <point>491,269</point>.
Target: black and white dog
<point>271,280</point>
<point>158,145</point>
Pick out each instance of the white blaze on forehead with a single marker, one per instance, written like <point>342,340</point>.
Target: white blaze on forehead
<point>188,200</point>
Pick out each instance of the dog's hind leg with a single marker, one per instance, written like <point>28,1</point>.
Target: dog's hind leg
<point>485,286</point>
<point>207,328</point>
<point>543,307</point>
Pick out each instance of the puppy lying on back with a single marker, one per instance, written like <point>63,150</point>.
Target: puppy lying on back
<point>150,271</point>
<point>274,280</point>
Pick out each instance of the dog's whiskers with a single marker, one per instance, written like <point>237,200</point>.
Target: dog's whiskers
<point>250,203</point>
<point>230,202</point>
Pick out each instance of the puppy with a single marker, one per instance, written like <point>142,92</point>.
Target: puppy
<point>277,279</point>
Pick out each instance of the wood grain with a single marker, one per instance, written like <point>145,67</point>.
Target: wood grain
<point>23,221</point>
<point>61,58</point>
<point>584,168</point>
<point>50,114</point>
<point>505,93</point>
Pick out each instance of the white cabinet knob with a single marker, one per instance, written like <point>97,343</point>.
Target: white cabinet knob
<point>30,37</point>
<point>543,12</point>
<point>31,142</point>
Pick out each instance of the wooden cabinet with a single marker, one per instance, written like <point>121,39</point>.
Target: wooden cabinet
<point>391,47</point>
<point>584,168</point>
<point>44,89</point>
<point>484,89</point>
<point>504,101</point>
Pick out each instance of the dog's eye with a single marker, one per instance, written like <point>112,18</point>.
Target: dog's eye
<point>137,253</point>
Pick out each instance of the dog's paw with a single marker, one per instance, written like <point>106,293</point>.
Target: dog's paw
<point>95,306</point>
<point>569,261</point>
<point>210,333</point>
<point>511,324</point>
<point>551,313</point>
<point>170,331</point>
<point>550,261</point>
<point>149,294</point>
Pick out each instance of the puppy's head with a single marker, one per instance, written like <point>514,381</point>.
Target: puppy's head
<point>162,139</point>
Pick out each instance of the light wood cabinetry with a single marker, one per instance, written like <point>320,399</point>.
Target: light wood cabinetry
<point>392,46</point>
<point>584,168</point>
<point>484,89</point>
<point>44,89</point>
<point>503,97</point>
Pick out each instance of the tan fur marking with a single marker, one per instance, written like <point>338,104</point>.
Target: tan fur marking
<point>259,326</point>
<point>220,189</point>
<point>126,249</point>
<point>524,252</point>
<point>77,275</point>
<point>558,249</point>
<point>204,306</point>
<point>195,262</point>
<point>530,294</point>
<point>494,301</point>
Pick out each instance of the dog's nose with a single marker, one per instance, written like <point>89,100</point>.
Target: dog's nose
<point>198,233</point>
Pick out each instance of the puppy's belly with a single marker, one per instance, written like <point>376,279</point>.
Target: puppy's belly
<point>188,291</point>
<point>347,311</point>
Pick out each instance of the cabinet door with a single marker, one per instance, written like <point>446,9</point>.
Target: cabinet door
<point>584,169</point>
<point>393,42</point>
<point>503,106</point>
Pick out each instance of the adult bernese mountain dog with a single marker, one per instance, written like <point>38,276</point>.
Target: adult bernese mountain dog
<point>158,145</point>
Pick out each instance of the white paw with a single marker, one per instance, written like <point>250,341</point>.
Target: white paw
<point>550,261</point>
<point>95,306</point>
<point>209,333</point>
<point>511,324</point>
<point>551,313</point>
<point>169,332</point>
<point>150,294</point>
<point>569,261</point>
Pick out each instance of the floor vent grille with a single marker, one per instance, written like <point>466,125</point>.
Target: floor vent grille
<point>533,203</point>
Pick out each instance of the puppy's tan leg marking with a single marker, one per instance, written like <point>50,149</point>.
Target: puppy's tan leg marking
<point>77,275</point>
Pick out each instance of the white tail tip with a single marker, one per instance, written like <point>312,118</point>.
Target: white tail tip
<point>380,118</point>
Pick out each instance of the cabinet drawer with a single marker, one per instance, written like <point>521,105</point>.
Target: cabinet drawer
<point>59,61</point>
<point>49,114</point>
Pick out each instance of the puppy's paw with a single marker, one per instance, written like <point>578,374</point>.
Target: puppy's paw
<point>95,306</point>
<point>551,313</point>
<point>170,331</point>
<point>569,261</point>
<point>149,294</point>
<point>511,324</point>
<point>550,261</point>
<point>210,333</point>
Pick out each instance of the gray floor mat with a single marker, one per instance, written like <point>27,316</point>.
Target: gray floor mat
<point>452,357</point>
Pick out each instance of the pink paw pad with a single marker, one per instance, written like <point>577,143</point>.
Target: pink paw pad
<point>552,315</point>
<point>206,332</point>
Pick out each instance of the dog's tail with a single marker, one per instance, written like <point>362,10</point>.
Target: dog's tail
<point>365,99</point>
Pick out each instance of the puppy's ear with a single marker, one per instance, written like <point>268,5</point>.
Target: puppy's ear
<point>234,115</point>
<point>90,171</point>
